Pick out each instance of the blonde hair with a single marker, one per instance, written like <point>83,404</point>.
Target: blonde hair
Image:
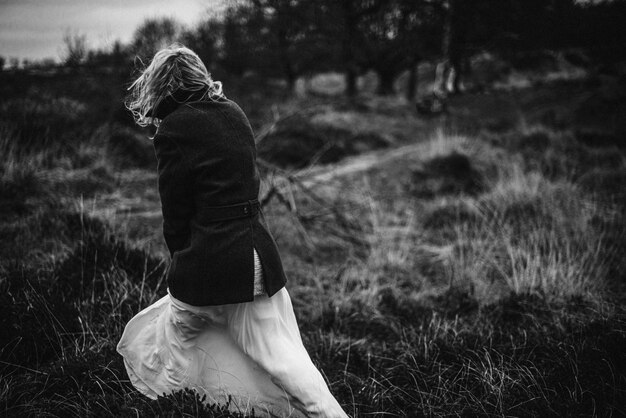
<point>174,69</point>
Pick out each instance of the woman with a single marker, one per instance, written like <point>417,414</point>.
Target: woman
<point>226,327</point>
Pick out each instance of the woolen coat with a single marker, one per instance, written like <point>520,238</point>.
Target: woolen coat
<point>208,183</point>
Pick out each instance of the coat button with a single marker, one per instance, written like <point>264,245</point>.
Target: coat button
<point>245,210</point>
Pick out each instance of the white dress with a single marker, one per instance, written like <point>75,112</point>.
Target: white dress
<point>250,351</point>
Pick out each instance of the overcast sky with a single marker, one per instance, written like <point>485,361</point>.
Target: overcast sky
<point>34,29</point>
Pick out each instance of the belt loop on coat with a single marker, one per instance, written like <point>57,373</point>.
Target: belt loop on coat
<point>221,213</point>
<point>252,207</point>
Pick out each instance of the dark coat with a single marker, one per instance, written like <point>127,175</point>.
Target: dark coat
<point>206,164</point>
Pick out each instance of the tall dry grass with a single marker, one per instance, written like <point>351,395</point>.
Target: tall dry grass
<point>474,277</point>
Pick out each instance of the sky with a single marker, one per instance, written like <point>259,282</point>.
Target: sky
<point>34,29</point>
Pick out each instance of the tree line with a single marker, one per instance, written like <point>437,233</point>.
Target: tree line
<point>294,38</point>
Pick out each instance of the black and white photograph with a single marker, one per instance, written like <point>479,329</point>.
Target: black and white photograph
<point>312,208</point>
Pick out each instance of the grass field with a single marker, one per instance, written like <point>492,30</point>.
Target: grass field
<point>470,264</point>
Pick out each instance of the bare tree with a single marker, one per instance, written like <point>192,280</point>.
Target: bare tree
<point>74,48</point>
<point>205,40</point>
<point>154,34</point>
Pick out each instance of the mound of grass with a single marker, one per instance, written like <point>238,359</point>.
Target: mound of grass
<point>537,141</point>
<point>414,310</point>
<point>450,174</point>
<point>17,187</point>
<point>559,154</point>
<point>84,289</point>
<point>607,182</point>
<point>18,177</point>
<point>522,356</point>
<point>86,182</point>
<point>128,148</point>
<point>571,160</point>
<point>593,139</point>
<point>41,119</point>
<point>443,220</point>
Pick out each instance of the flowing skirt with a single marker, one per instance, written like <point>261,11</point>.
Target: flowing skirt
<point>251,351</point>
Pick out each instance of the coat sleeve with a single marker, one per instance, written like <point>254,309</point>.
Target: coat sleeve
<point>176,192</point>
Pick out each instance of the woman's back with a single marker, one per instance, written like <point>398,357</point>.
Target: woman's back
<point>209,185</point>
<point>216,331</point>
<point>217,144</point>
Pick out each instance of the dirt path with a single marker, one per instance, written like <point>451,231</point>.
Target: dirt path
<point>135,207</point>
<point>355,164</point>
<point>134,199</point>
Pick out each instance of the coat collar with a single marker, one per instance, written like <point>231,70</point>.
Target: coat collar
<point>172,102</point>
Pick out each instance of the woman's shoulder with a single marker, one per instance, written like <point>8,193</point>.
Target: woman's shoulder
<point>206,124</point>
<point>189,119</point>
<point>205,114</point>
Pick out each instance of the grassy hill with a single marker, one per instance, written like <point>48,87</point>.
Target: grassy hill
<point>468,264</point>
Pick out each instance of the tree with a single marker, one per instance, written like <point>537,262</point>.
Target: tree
<point>74,49</point>
<point>119,53</point>
<point>340,24</point>
<point>154,34</point>
<point>352,12</point>
<point>241,44</point>
<point>2,62</point>
<point>457,16</point>
<point>293,37</point>
<point>396,38</point>
<point>204,40</point>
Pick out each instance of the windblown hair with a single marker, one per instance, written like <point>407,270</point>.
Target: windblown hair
<point>175,72</point>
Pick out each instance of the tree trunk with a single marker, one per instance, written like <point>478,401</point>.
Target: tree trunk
<point>349,34</point>
<point>385,83</point>
<point>288,70</point>
<point>350,77</point>
<point>412,82</point>
<point>441,78</point>
<point>463,68</point>
<point>442,72</point>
